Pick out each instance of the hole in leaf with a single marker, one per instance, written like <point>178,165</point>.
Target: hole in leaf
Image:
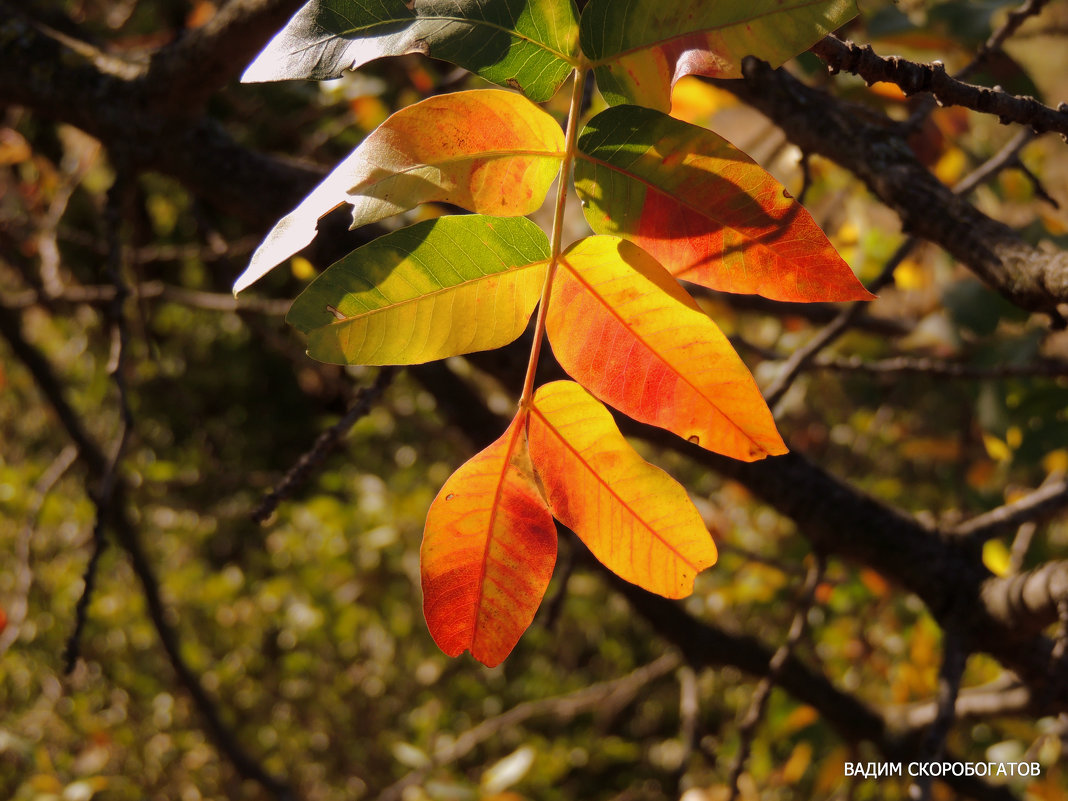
<point>696,440</point>
<point>450,496</point>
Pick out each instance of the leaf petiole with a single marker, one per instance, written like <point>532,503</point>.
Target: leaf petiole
<point>574,111</point>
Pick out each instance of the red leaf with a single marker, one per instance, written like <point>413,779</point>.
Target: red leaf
<point>488,552</point>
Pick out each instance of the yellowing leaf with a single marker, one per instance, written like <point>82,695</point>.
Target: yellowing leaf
<point>705,210</point>
<point>622,327</point>
<point>435,289</point>
<point>696,101</point>
<point>797,764</point>
<point>528,45</point>
<point>488,552</point>
<point>996,557</point>
<point>642,47</point>
<point>488,151</point>
<point>633,516</point>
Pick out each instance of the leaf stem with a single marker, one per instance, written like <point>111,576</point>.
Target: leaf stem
<point>558,229</point>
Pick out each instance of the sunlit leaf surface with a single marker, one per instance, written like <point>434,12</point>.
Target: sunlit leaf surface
<point>487,150</point>
<point>704,209</point>
<point>633,516</point>
<point>640,48</point>
<point>527,45</point>
<point>624,328</point>
<point>488,552</point>
<point>435,289</point>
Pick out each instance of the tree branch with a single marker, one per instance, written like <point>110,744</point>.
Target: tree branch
<point>126,533</point>
<point>184,74</point>
<point>1044,502</point>
<point>876,153</point>
<point>912,77</point>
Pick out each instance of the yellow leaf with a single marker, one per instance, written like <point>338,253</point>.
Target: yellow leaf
<point>996,557</point>
<point>302,269</point>
<point>996,449</point>
<point>432,290</point>
<point>797,764</point>
<point>633,516</point>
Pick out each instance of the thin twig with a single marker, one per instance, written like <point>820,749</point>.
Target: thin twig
<point>1004,697</point>
<point>127,535</point>
<point>905,365</point>
<point>19,606</point>
<point>801,357</point>
<point>913,77</point>
<point>804,356</point>
<point>1015,18</point>
<point>1047,500</point>
<point>103,294</point>
<point>297,475</point>
<point>757,704</point>
<point>689,714</point>
<point>954,658</point>
<point>563,707</point>
<point>104,494</point>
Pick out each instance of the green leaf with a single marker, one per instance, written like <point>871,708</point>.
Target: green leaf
<point>434,289</point>
<point>528,45</point>
<point>705,210</point>
<point>487,151</point>
<point>641,48</point>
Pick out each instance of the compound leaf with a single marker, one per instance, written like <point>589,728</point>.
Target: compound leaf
<point>704,209</point>
<point>641,48</point>
<point>622,327</point>
<point>487,150</point>
<point>488,552</point>
<point>529,46</point>
<point>435,289</point>
<point>633,516</point>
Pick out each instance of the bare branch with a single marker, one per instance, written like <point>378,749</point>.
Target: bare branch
<point>1044,502</point>
<point>1027,602</point>
<point>310,461</point>
<point>127,535</point>
<point>706,645</point>
<point>1001,698</point>
<point>103,294</point>
<point>758,703</point>
<point>954,658</point>
<point>903,365</point>
<point>801,357</point>
<point>186,73</point>
<point>619,691</point>
<point>913,77</point>
<point>1030,277</point>
<point>19,605</point>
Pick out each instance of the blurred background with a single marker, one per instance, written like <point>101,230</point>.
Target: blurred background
<point>291,625</point>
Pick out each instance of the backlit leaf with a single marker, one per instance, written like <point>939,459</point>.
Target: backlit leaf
<point>704,209</point>
<point>641,48</point>
<point>488,552</point>
<point>633,516</point>
<point>487,151</point>
<point>435,289</point>
<point>527,45</point>
<point>622,327</point>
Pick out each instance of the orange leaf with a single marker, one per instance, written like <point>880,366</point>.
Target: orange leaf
<point>622,327</point>
<point>704,209</point>
<point>633,516</point>
<point>487,150</point>
<point>488,552</point>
